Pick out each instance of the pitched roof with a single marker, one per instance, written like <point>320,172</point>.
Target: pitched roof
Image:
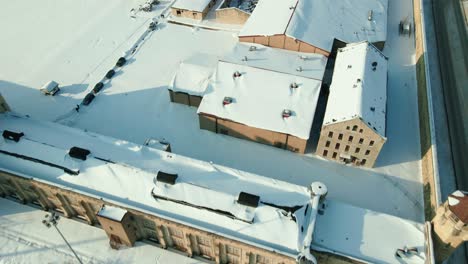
<point>358,89</point>
<point>458,204</point>
<point>319,22</point>
<point>121,174</point>
<point>193,74</point>
<point>192,5</point>
<point>259,98</point>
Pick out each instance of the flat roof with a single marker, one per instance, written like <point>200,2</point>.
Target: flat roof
<point>319,22</point>
<point>192,5</point>
<point>112,212</point>
<point>308,65</point>
<point>259,98</point>
<point>367,235</point>
<point>357,90</point>
<point>124,173</point>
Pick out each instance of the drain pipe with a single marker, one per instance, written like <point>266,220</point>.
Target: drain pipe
<point>319,191</point>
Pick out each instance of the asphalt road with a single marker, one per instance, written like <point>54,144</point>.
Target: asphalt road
<point>452,44</point>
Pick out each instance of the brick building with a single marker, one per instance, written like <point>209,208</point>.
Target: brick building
<point>316,26</point>
<point>264,95</point>
<point>451,225</point>
<point>175,202</point>
<point>193,9</point>
<point>354,126</point>
<point>191,80</point>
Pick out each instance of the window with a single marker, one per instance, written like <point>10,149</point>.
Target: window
<point>354,128</point>
<point>350,139</point>
<point>361,140</point>
<point>224,131</point>
<point>149,224</point>
<point>204,241</point>
<point>367,152</point>
<point>363,162</point>
<point>358,150</point>
<point>327,144</point>
<point>194,14</point>
<point>337,146</point>
<point>179,12</point>
<point>360,130</point>
<point>330,134</point>
<point>334,155</point>
<point>340,136</point>
<point>371,143</point>
<point>347,148</point>
<point>347,128</point>
<point>232,250</point>
<point>325,153</point>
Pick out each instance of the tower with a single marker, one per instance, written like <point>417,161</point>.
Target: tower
<point>450,225</point>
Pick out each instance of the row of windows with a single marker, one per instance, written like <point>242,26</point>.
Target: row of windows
<point>350,139</point>
<point>356,150</point>
<point>335,155</point>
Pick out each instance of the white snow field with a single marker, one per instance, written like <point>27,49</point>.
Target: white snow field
<point>76,42</point>
<point>24,239</point>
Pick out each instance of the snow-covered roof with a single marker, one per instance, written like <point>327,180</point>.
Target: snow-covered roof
<point>260,96</point>
<point>192,5</point>
<point>366,235</point>
<point>124,174</point>
<point>112,212</point>
<point>193,75</point>
<point>319,22</point>
<point>359,87</point>
<point>269,18</point>
<point>458,204</point>
<point>307,65</point>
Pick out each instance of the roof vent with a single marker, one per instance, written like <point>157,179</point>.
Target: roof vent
<point>370,14</point>
<point>227,100</point>
<point>358,80</point>
<point>245,58</point>
<point>350,66</point>
<point>293,85</point>
<point>166,177</point>
<point>299,69</point>
<point>78,153</point>
<point>237,74</point>
<point>248,199</point>
<point>12,135</point>
<point>286,113</point>
<point>252,48</point>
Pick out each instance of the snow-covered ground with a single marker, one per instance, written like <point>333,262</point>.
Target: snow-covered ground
<point>43,40</point>
<point>24,239</point>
